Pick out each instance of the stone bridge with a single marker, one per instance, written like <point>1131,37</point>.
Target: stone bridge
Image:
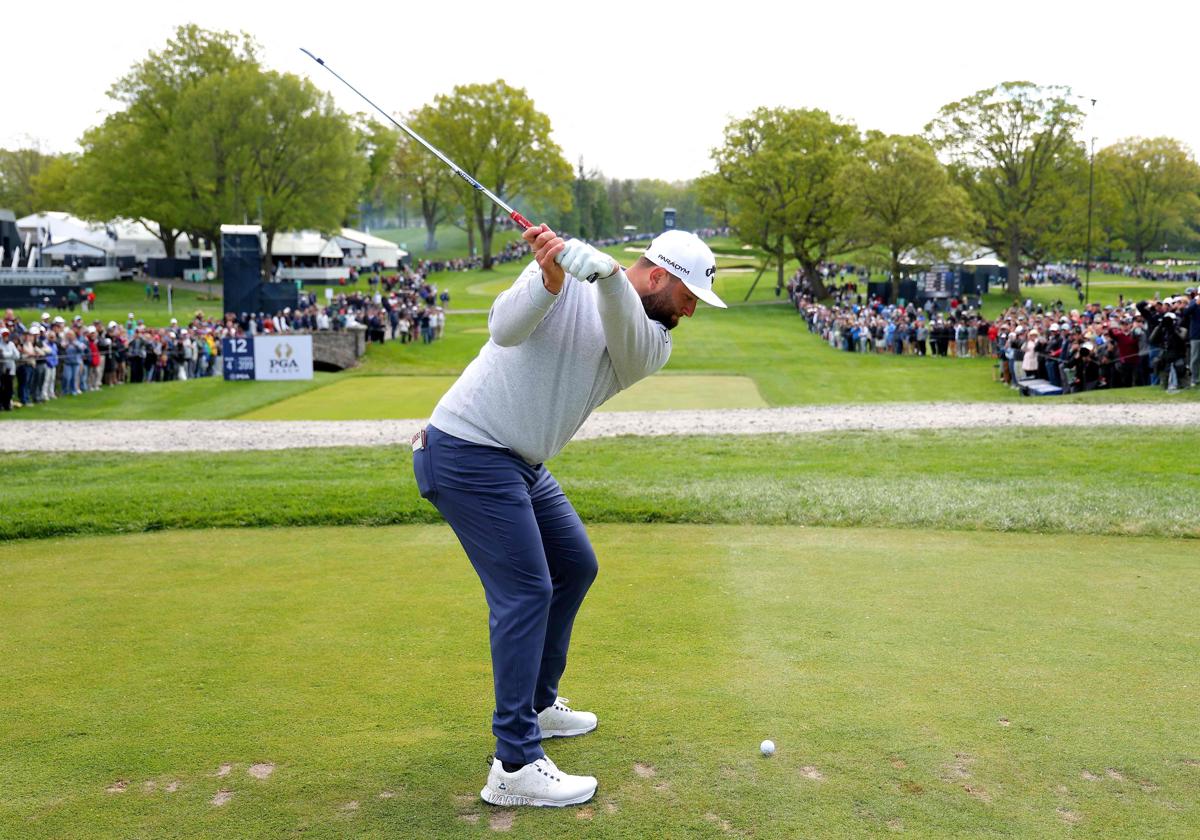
<point>333,351</point>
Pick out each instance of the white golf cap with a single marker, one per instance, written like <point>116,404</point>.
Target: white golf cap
<point>687,257</point>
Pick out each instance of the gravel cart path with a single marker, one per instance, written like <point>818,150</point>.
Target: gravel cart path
<point>236,435</point>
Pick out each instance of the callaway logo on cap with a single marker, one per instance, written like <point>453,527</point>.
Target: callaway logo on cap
<point>687,257</point>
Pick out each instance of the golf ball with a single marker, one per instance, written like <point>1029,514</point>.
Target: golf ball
<point>767,747</point>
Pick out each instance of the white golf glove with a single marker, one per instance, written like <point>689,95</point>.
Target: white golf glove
<point>581,260</point>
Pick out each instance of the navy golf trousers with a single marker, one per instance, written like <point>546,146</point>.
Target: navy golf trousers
<point>535,561</point>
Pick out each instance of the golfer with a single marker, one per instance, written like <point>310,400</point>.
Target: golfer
<point>559,347</point>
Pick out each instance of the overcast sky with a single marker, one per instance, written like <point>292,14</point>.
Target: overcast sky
<point>641,89</point>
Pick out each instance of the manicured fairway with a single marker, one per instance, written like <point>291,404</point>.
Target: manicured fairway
<point>384,397</point>
<point>942,684</point>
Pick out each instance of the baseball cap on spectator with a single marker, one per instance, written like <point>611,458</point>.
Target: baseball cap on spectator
<point>4,331</point>
<point>58,319</point>
<point>130,314</point>
<point>111,324</point>
<point>45,316</point>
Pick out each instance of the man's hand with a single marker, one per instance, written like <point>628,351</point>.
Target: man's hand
<point>581,260</point>
<point>547,245</point>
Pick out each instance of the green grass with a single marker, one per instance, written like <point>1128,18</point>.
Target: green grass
<point>115,299</point>
<point>1117,481</point>
<point>451,241</point>
<point>398,397</point>
<point>946,684</point>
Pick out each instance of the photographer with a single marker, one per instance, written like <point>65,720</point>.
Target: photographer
<point>1168,337</point>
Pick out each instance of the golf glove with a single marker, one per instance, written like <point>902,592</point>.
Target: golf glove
<point>581,260</point>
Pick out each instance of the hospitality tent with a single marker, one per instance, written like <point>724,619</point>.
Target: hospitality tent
<point>363,249</point>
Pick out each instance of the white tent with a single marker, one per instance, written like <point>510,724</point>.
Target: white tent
<point>363,249</point>
<point>986,261</point>
<point>74,248</point>
<point>55,226</point>
<point>304,244</point>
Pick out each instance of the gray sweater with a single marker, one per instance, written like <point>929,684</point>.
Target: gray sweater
<point>550,361</point>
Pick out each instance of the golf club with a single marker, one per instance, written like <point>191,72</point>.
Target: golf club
<point>513,214</point>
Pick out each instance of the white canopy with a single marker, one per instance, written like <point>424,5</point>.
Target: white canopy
<point>372,248</point>
<point>74,248</point>
<point>305,243</point>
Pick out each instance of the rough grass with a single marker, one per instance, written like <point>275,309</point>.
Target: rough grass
<point>943,685</point>
<point>115,299</point>
<point>1097,481</point>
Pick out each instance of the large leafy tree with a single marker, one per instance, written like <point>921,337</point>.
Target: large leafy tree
<point>494,132</point>
<point>19,170</point>
<point>777,176</point>
<point>1157,185</point>
<point>131,165</point>
<point>421,175</point>
<point>1011,147</point>
<point>903,199</point>
<point>303,167</point>
<point>53,185</point>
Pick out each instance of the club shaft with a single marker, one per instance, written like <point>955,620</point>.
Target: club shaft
<point>513,214</point>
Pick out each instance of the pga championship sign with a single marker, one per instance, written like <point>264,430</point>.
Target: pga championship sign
<point>270,358</point>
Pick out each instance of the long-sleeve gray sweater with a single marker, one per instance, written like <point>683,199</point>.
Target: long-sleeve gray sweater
<point>550,361</point>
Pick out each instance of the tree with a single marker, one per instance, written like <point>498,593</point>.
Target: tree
<point>903,198</point>
<point>1009,147</point>
<point>19,169</point>
<point>52,185</point>
<point>419,170</point>
<point>777,176</point>
<point>303,167</point>
<point>210,153</point>
<point>1157,181</point>
<point>381,187</point>
<point>494,132</point>
<point>131,162</point>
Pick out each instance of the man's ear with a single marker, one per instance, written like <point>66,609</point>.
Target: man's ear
<point>659,278</point>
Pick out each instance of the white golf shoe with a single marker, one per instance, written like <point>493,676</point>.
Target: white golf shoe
<point>540,784</point>
<point>561,721</point>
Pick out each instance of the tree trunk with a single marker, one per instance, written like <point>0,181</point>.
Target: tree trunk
<point>487,228</point>
<point>812,273</point>
<point>168,241</point>
<point>779,258</point>
<point>268,256</point>
<point>1014,266</point>
<point>429,214</point>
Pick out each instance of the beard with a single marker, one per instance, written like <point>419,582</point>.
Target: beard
<point>660,307</point>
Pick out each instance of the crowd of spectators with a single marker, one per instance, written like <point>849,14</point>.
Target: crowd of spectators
<point>1150,342</point>
<point>55,357</point>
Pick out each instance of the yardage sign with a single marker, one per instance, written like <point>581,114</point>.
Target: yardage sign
<point>237,358</point>
<point>268,357</point>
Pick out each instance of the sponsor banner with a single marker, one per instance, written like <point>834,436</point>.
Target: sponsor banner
<point>278,357</point>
